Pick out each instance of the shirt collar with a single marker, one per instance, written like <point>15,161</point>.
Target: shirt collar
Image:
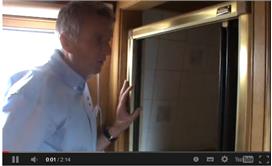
<point>66,73</point>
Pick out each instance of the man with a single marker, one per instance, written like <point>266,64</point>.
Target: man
<point>49,108</point>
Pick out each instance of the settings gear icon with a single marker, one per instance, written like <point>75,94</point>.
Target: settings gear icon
<point>224,159</point>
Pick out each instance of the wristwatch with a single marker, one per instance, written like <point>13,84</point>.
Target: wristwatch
<point>108,136</point>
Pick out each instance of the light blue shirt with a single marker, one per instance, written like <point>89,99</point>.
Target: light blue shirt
<point>46,111</point>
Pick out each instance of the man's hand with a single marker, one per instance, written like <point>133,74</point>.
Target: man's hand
<point>123,118</point>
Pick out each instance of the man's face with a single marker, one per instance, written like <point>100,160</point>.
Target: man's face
<point>93,44</point>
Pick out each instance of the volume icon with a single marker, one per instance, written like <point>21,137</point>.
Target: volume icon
<point>34,159</point>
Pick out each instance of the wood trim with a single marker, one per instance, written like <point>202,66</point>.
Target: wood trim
<point>118,66</point>
<point>267,114</point>
<point>259,77</point>
<point>260,131</point>
<point>113,78</point>
<point>28,22</point>
<point>253,116</point>
<point>126,26</point>
<point>259,121</point>
<point>139,4</point>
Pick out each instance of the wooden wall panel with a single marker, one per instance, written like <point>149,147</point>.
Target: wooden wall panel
<point>259,75</point>
<point>260,132</point>
<point>267,114</point>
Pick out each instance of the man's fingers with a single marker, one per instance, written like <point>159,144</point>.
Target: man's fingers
<point>123,87</point>
<point>136,113</point>
<point>125,84</point>
<point>125,94</point>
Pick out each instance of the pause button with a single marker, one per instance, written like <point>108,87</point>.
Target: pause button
<point>15,159</point>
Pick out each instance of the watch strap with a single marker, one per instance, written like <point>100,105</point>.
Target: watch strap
<point>108,136</point>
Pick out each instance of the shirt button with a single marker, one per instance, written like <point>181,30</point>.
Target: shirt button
<point>77,88</point>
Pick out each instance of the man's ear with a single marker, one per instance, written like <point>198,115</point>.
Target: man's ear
<point>66,43</point>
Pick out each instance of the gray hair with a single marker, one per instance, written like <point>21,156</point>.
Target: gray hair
<point>72,15</point>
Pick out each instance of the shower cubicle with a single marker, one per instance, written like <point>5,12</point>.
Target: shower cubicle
<point>190,74</point>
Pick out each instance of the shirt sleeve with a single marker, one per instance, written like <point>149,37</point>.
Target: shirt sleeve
<point>26,126</point>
